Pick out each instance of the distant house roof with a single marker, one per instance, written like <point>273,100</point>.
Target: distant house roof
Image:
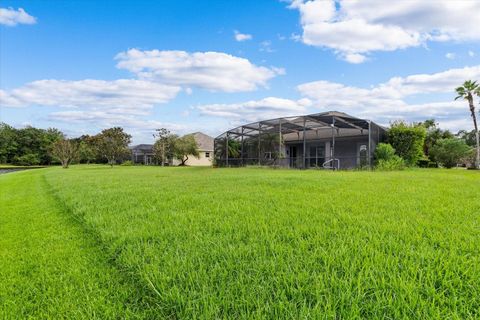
<point>204,142</point>
<point>142,148</point>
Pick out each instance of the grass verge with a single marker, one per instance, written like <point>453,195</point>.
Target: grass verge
<point>50,267</point>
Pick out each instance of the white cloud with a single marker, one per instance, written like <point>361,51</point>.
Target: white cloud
<point>266,108</point>
<point>11,17</point>
<point>450,55</point>
<point>214,71</point>
<point>123,93</point>
<point>390,100</point>
<point>354,58</point>
<point>241,36</point>
<point>471,53</point>
<point>97,104</point>
<point>353,29</point>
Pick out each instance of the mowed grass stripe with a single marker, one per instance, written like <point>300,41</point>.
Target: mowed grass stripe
<point>259,243</point>
<point>50,268</point>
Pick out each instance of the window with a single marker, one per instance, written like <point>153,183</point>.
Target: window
<point>207,154</point>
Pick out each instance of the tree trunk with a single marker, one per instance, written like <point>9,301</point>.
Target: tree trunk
<point>474,117</point>
<point>184,160</point>
<point>163,154</point>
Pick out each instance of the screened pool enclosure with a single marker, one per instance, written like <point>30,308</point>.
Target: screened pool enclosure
<point>329,140</point>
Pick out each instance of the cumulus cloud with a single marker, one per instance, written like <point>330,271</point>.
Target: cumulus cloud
<point>123,93</point>
<point>390,100</point>
<point>270,107</point>
<point>11,17</point>
<point>214,71</point>
<point>241,36</point>
<point>96,103</point>
<point>109,118</point>
<point>353,29</point>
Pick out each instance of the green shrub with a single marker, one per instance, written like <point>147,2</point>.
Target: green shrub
<point>394,163</point>
<point>384,151</point>
<point>127,163</point>
<point>450,152</point>
<point>408,141</point>
<point>26,160</point>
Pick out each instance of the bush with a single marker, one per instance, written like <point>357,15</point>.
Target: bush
<point>394,163</point>
<point>384,151</point>
<point>127,163</point>
<point>26,160</point>
<point>450,152</point>
<point>408,141</point>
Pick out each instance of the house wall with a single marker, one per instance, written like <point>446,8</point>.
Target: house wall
<point>202,161</point>
<point>346,150</point>
<point>194,162</point>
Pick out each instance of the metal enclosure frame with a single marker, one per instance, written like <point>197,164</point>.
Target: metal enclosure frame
<point>334,139</point>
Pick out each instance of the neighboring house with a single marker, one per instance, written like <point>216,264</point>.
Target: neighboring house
<point>143,153</point>
<point>205,149</point>
<point>332,140</point>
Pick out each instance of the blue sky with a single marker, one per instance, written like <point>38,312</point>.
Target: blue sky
<point>82,66</point>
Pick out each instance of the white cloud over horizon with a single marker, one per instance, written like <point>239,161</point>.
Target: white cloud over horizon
<point>11,17</point>
<point>122,93</point>
<point>215,71</point>
<point>130,102</point>
<point>270,107</point>
<point>389,101</point>
<point>352,29</point>
<point>96,103</point>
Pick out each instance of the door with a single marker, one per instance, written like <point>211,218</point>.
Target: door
<point>362,155</point>
<point>292,152</point>
<point>317,156</point>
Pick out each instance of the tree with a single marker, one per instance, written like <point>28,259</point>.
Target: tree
<point>407,140</point>
<point>466,92</point>
<point>164,145</point>
<point>433,135</point>
<point>27,146</point>
<point>65,151</point>
<point>384,151</point>
<point>86,154</point>
<point>449,152</point>
<point>234,148</point>
<point>8,143</point>
<point>184,147</point>
<point>112,144</point>
<point>467,136</point>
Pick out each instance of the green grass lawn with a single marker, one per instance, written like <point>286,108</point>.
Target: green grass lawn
<point>151,242</point>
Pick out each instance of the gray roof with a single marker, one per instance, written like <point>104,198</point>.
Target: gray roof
<point>142,147</point>
<point>204,142</point>
<point>295,124</point>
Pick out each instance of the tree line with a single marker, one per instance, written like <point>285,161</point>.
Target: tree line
<point>33,146</point>
<point>426,145</point>
<point>423,144</point>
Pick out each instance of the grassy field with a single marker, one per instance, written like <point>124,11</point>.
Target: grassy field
<point>150,242</point>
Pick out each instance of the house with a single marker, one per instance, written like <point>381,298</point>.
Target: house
<point>331,140</point>
<point>205,148</point>
<point>143,153</point>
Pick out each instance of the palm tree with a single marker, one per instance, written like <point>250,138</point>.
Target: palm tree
<point>466,92</point>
